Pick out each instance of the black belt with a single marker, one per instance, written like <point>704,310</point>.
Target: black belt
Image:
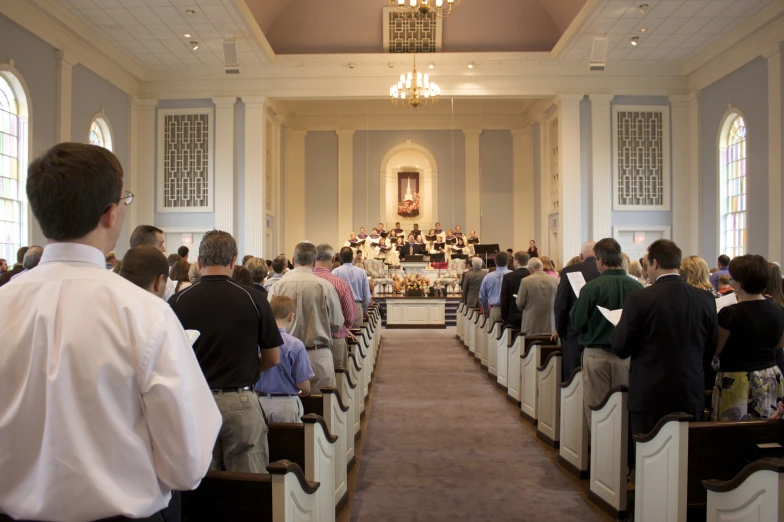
<point>225,390</point>
<point>262,394</point>
<point>311,348</point>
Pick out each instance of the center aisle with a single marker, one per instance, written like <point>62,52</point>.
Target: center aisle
<point>441,444</point>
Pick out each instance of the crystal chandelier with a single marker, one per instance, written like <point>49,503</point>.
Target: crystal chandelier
<point>440,8</point>
<point>414,90</point>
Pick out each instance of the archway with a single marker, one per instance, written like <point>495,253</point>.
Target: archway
<point>409,157</point>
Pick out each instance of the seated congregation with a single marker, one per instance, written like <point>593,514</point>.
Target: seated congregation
<point>660,387</point>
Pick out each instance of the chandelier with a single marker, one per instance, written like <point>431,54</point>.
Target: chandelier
<point>440,8</point>
<point>414,90</point>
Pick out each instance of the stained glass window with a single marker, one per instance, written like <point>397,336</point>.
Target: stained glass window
<point>733,188</point>
<point>100,133</point>
<point>96,134</point>
<point>10,203</point>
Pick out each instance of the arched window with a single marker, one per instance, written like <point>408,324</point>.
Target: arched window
<point>732,186</point>
<point>100,131</point>
<point>12,150</point>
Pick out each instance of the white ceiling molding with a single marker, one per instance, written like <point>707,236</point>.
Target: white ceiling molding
<point>406,122</point>
<point>49,21</point>
<point>574,28</point>
<point>253,25</point>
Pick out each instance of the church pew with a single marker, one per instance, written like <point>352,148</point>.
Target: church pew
<point>496,329</point>
<point>355,370</point>
<point>531,357</point>
<point>573,450</point>
<point>363,359</point>
<point>348,389</point>
<point>460,316</point>
<point>329,405</point>
<point>502,357</point>
<point>365,338</point>
<point>473,317</point>
<point>282,496</point>
<point>314,449</point>
<point>514,345</point>
<point>609,452</point>
<point>756,494</point>
<point>674,459</point>
<point>548,403</point>
<point>467,312</point>
<point>481,341</point>
<point>487,341</point>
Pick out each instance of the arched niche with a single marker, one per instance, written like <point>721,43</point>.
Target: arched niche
<point>409,157</point>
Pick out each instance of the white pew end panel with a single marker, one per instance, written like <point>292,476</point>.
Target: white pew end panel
<point>573,450</point>
<point>347,388</point>
<point>502,346</point>
<point>756,494</point>
<point>514,349</point>
<point>460,317</point>
<point>530,360</point>
<point>480,353</point>
<point>548,404</point>
<point>610,452</point>
<point>495,332</point>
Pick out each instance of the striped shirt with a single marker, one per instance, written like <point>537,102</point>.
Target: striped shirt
<point>346,300</point>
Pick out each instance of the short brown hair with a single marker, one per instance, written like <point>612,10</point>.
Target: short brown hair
<point>145,235</point>
<point>179,271</point>
<point>241,275</point>
<point>279,264</point>
<point>751,272</point>
<point>282,306</point>
<point>143,264</point>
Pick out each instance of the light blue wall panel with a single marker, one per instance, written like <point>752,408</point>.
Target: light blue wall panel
<point>321,187</point>
<point>497,184</point>
<point>586,172</point>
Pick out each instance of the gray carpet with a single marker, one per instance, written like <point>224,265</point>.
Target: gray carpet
<point>442,445</point>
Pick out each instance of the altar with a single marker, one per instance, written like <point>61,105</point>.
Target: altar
<point>416,312</point>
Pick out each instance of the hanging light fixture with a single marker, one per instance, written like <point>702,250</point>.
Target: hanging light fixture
<point>414,90</point>
<point>440,8</point>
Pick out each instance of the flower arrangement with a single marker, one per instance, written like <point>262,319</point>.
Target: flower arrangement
<point>416,284</point>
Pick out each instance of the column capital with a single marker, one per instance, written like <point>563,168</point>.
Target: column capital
<point>225,102</point>
<point>521,133</point>
<point>568,99</point>
<point>472,133</point>
<point>601,98</point>
<point>254,101</point>
<point>772,52</point>
<point>65,59</point>
<point>345,133</point>
<point>295,133</point>
<point>279,119</point>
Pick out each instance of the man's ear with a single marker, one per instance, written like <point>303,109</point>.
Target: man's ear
<point>233,262</point>
<point>109,217</point>
<point>198,260</point>
<point>291,317</point>
<point>159,284</point>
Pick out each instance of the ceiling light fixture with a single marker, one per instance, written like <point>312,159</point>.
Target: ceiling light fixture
<point>431,66</point>
<point>471,65</point>
<point>414,90</point>
<point>187,35</point>
<point>643,30</point>
<point>635,40</point>
<point>440,8</point>
<point>194,45</point>
<point>643,8</point>
<point>190,13</point>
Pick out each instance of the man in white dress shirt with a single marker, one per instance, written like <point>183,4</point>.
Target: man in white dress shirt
<point>103,407</point>
<point>148,235</point>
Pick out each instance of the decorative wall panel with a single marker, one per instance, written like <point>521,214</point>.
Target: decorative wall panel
<point>641,158</point>
<point>404,33</point>
<point>555,167</point>
<point>185,160</point>
<point>269,192</point>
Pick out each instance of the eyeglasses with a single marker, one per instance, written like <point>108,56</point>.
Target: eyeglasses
<point>128,196</point>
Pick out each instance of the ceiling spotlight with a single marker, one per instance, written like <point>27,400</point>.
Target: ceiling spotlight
<point>351,65</point>
<point>471,65</point>
<point>187,35</point>
<point>643,8</point>
<point>643,30</point>
<point>635,40</point>
<point>190,13</point>
<point>194,45</point>
<point>391,65</point>
<point>431,66</point>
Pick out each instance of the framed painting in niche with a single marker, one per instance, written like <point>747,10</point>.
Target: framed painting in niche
<point>408,201</point>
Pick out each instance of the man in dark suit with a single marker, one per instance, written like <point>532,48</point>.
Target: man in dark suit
<point>18,267</point>
<point>509,285</point>
<point>670,331</point>
<point>564,301</point>
<point>411,248</point>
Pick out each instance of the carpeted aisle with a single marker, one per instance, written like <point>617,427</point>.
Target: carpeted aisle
<point>442,445</point>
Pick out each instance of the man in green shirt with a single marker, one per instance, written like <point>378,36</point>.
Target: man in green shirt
<point>602,369</point>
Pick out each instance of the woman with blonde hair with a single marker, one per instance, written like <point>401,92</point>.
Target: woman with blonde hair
<point>576,260</point>
<point>548,266</point>
<point>694,270</point>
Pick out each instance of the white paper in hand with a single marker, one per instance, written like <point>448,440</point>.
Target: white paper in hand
<point>577,280</point>
<point>726,300</point>
<point>192,335</point>
<point>614,316</point>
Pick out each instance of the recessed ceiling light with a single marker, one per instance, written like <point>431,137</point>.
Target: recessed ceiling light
<point>471,65</point>
<point>187,35</point>
<point>391,65</point>
<point>190,13</point>
<point>643,30</point>
<point>194,45</point>
<point>643,8</point>
<point>431,66</point>
<point>635,40</point>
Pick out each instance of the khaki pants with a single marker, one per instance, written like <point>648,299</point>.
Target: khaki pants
<point>360,316</point>
<point>283,409</point>
<point>242,440</point>
<point>495,315</point>
<point>602,371</point>
<point>339,351</point>
<point>324,368</point>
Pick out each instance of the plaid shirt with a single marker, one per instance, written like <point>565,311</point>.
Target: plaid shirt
<point>346,300</point>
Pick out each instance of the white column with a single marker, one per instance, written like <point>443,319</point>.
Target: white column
<point>544,183</point>
<point>523,182</point>
<point>601,152</point>
<point>295,189</point>
<point>65,64</point>
<point>775,229</point>
<point>570,212</point>
<point>682,197</point>
<point>345,186</point>
<point>224,163</point>
<point>473,186</point>
<point>695,181</point>
<point>142,162</point>
<point>255,127</point>
<point>275,249</point>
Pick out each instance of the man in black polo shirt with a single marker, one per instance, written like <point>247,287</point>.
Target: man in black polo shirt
<point>234,322</point>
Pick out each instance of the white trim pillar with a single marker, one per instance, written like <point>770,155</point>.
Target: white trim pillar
<point>277,212</point>
<point>683,200</point>
<point>142,162</point>
<point>775,225</point>
<point>601,167</point>
<point>544,183</point>
<point>295,189</point>
<point>473,183</point>
<point>65,64</point>
<point>523,183</point>
<point>695,180</point>
<point>255,165</point>
<point>224,163</point>
<point>570,211</point>
<point>345,185</point>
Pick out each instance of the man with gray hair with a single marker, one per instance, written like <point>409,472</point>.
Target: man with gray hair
<point>318,313</point>
<point>472,282</point>
<point>238,339</point>
<point>535,298</point>
<point>323,269</point>
<point>31,259</point>
<point>565,299</point>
